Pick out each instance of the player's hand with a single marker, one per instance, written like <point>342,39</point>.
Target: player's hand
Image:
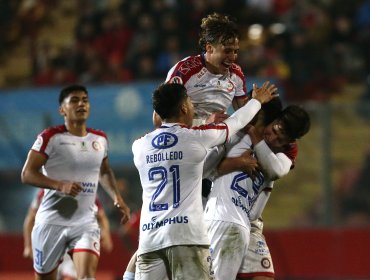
<point>70,188</point>
<point>27,253</point>
<point>265,93</point>
<point>249,164</point>
<point>217,117</point>
<point>121,205</point>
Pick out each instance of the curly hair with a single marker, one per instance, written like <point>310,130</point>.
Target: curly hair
<point>216,28</point>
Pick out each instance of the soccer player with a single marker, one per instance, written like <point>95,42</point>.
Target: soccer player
<point>68,161</point>
<point>173,238</point>
<point>213,80</point>
<point>239,250</point>
<point>66,270</point>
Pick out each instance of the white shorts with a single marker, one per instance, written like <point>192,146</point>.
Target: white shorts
<point>176,262</point>
<point>259,261</point>
<point>50,242</point>
<point>229,247</point>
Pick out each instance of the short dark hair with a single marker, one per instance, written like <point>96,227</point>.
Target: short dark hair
<point>271,110</point>
<point>295,121</point>
<point>217,28</point>
<point>167,99</point>
<point>68,90</point>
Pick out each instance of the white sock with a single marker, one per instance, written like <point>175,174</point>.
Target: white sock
<point>128,275</point>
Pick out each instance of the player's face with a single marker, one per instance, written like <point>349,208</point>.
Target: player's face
<point>275,136</point>
<point>220,57</point>
<point>76,106</point>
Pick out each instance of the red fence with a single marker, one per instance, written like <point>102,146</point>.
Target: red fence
<point>300,254</point>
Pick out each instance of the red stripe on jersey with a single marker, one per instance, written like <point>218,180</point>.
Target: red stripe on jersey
<point>252,274</point>
<point>48,133</point>
<point>187,67</point>
<point>291,151</point>
<point>235,68</point>
<point>220,126</point>
<point>97,132</point>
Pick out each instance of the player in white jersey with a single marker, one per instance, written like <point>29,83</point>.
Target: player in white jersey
<point>69,161</point>
<point>173,238</point>
<point>213,80</point>
<point>66,270</point>
<point>237,197</point>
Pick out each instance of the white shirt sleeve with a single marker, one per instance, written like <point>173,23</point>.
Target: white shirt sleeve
<point>261,201</point>
<point>242,116</point>
<point>274,165</point>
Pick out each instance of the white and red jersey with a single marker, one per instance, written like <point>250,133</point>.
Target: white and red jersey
<point>170,163</point>
<point>234,195</point>
<point>76,159</point>
<point>209,93</point>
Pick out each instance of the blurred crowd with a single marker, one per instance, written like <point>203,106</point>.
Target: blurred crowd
<point>312,46</point>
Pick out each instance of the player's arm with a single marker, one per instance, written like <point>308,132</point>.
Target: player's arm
<point>246,113</point>
<point>32,175</point>
<point>106,238</point>
<point>28,223</point>
<point>274,165</point>
<point>261,201</point>
<point>108,181</point>
<point>245,163</point>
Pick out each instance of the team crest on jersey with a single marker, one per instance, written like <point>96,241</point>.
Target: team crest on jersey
<point>176,80</point>
<point>164,140</point>
<point>265,262</point>
<point>96,145</point>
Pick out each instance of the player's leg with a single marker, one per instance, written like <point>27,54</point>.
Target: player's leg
<point>67,270</point>
<point>258,264</point>
<point>229,245</point>
<point>191,262</point>
<point>85,249</point>
<point>48,242</point>
<point>151,266</point>
<point>131,268</point>
<point>86,264</point>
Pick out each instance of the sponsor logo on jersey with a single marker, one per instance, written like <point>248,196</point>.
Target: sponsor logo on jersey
<point>164,140</point>
<point>200,85</point>
<point>88,187</point>
<point>66,143</point>
<point>154,224</point>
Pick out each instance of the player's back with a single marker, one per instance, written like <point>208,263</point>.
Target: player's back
<point>170,163</point>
